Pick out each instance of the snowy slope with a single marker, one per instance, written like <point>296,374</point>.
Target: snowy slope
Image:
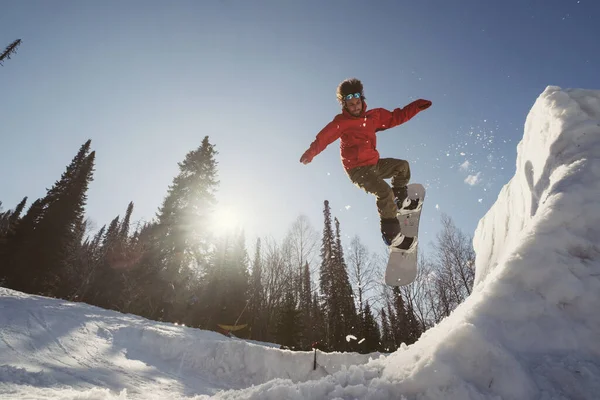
<point>530,330</point>
<point>55,348</point>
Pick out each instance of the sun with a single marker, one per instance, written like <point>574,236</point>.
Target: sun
<point>225,219</point>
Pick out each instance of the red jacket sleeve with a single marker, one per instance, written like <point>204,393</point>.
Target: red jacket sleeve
<point>387,119</point>
<point>329,134</point>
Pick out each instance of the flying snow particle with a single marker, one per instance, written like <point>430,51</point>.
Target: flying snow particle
<point>437,206</point>
<point>473,180</point>
<point>480,200</point>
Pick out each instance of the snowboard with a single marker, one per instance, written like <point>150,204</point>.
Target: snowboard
<point>401,269</point>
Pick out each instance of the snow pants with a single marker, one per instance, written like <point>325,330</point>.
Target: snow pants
<point>370,178</point>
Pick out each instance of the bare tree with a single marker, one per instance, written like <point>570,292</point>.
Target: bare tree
<point>420,295</point>
<point>455,273</point>
<point>302,240</point>
<point>276,275</point>
<point>363,272</point>
<point>444,280</point>
<point>11,49</point>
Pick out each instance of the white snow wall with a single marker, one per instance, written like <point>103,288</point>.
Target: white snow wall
<point>556,182</point>
<point>531,327</point>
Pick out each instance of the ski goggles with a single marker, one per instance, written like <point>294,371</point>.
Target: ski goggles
<point>351,96</point>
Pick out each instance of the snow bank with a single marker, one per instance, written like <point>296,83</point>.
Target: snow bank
<point>557,157</point>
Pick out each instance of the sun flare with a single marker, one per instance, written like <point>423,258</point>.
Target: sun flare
<point>225,219</point>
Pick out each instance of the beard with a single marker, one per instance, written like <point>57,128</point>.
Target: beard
<point>355,112</point>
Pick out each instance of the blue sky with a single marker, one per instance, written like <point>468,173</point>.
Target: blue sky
<point>147,80</point>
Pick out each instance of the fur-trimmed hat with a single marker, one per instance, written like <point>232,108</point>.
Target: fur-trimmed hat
<point>349,86</point>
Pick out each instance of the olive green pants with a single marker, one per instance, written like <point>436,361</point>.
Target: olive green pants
<point>370,178</point>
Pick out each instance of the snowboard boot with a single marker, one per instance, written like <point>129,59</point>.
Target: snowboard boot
<point>405,205</point>
<point>390,231</point>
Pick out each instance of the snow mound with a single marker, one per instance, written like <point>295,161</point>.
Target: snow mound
<point>555,184</point>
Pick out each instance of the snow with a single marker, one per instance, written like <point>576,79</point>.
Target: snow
<point>473,180</point>
<point>529,330</point>
<point>54,349</point>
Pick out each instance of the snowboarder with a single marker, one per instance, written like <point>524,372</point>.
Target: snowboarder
<point>356,128</point>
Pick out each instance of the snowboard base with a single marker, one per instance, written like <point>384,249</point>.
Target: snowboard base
<point>401,269</point>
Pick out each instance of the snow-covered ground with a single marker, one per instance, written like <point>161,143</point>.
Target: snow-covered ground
<point>54,349</point>
<point>530,330</point>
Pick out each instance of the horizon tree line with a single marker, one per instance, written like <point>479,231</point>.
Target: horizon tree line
<point>304,291</point>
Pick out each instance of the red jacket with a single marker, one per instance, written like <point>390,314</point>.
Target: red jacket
<point>357,135</point>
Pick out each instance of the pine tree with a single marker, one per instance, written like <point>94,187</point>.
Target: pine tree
<point>10,49</point>
<point>124,227</point>
<point>9,218</point>
<point>41,250</point>
<point>326,276</point>
<point>289,324</point>
<point>3,233</point>
<point>326,270</point>
<point>18,250</point>
<point>72,277</point>
<point>145,277</point>
<point>236,287</point>
<point>57,233</point>
<point>89,260</point>
<point>347,320</point>
<point>182,226</point>
<point>226,284</point>
<point>3,221</point>
<point>108,281</point>
<point>387,339</point>
<point>8,223</point>
<point>402,321</point>
<point>97,240</point>
<point>340,310</point>
<point>370,331</point>
<point>68,272</point>
<point>318,324</point>
<point>414,329</point>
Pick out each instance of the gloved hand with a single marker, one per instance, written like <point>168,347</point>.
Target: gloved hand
<point>422,104</point>
<point>306,157</point>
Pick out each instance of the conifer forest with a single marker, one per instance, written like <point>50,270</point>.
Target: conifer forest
<point>305,290</point>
